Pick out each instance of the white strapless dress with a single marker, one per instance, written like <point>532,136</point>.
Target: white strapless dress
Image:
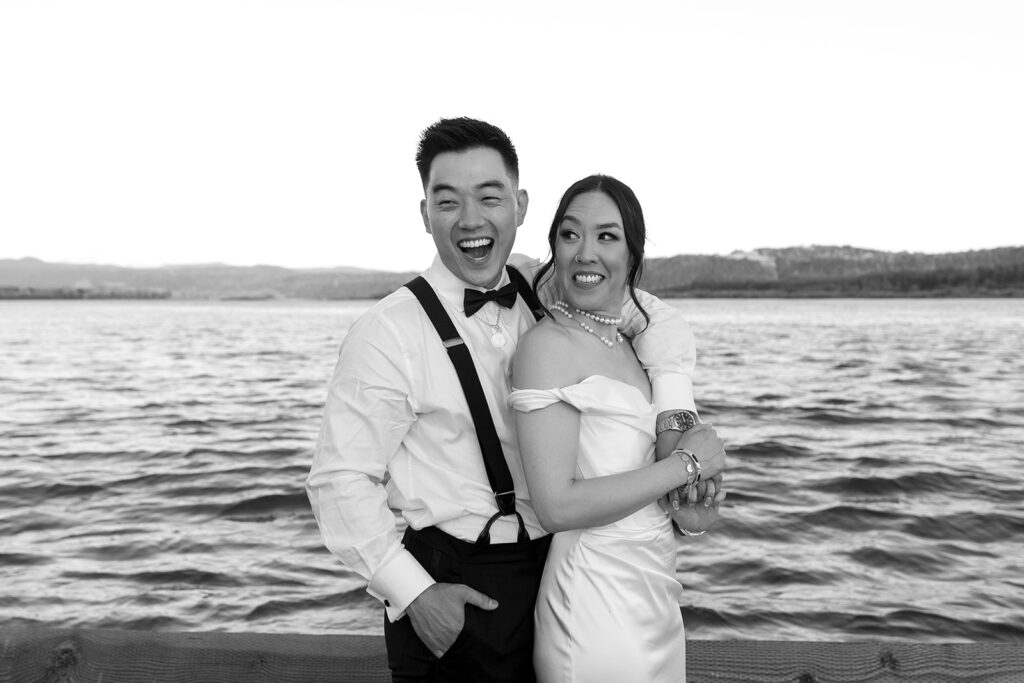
<point>608,607</point>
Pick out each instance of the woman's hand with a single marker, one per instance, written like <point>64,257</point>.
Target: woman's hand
<point>709,490</point>
<point>704,442</point>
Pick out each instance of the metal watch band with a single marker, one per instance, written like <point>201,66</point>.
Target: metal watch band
<point>679,421</point>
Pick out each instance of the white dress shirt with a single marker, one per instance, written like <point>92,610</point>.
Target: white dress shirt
<point>397,432</point>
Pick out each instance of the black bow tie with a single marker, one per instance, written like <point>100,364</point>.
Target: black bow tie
<point>474,301</point>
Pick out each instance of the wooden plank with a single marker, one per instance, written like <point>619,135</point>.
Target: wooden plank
<point>40,655</point>
<point>112,656</point>
<point>853,662</point>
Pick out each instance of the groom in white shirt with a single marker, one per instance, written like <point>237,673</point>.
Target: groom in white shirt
<point>397,431</point>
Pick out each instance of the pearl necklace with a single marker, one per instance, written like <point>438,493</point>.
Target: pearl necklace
<point>602,319</point>
<point>562,308</point>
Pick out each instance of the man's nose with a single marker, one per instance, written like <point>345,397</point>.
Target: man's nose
<point>470,216</point>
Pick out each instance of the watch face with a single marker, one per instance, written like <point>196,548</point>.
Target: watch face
<point>684,420</point>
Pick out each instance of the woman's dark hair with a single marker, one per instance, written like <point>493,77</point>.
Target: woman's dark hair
<point>632,224</point>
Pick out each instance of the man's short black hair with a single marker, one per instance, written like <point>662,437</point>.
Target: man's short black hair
<point>459,135</point>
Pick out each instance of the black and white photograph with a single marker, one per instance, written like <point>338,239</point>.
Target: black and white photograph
<point>542,341</point>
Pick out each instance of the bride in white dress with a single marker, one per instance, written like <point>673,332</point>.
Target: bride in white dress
<point>608,606</point>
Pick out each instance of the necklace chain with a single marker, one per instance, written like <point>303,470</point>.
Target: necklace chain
<point>497,337</point>
<point>563,308</point>
<point>496,325</point>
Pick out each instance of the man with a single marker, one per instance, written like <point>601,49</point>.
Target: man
<point>398,431</point>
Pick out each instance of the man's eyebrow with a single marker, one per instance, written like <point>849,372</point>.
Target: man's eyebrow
<point>441,187</point>
<point>486,185</point>
<point>491,184</point>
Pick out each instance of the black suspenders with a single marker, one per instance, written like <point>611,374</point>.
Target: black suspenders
<point>494,458</point>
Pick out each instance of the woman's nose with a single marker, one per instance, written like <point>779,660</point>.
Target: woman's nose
<point>586,253</point>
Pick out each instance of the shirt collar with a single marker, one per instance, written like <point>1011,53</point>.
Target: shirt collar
<point>447,285</point>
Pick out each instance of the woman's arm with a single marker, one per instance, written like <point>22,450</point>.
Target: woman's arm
<point>549,445</point>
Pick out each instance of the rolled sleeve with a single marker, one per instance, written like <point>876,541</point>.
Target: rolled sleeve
<point>666,349</point>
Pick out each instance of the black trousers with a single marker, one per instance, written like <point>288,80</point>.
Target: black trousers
<point>495,645</point>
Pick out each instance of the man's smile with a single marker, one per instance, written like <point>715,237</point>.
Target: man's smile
<point>477,249</point>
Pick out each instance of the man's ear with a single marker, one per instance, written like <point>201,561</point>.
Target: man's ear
<point>423,214</point>
<point>523,200</point>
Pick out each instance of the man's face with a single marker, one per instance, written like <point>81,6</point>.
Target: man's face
<point>472,209</point>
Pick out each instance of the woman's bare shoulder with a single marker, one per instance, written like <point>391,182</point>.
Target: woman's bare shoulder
<point>544,357</point>
<point>546,331</point>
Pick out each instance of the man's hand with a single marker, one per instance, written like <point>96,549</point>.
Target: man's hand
<point>703,441</point>
<point>439,613</point>
<point>706,492</point>
<point>695,518</point>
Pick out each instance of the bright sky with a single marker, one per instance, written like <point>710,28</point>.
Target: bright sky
<point>148,132</point>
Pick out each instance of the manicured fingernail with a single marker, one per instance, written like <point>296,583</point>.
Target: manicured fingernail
<point>675,504</point>
<point>707,502</point>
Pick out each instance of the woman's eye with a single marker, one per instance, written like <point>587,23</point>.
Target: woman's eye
<point>567,234</point>
<point>608,236</point>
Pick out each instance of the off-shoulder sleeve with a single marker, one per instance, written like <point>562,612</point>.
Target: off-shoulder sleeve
<point>595,395</point>
<point>528,400</point>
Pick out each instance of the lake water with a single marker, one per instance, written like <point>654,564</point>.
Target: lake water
<point>152,459</point>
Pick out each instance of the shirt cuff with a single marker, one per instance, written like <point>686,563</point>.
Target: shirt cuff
<point>673,391</point>
<point>398,583</point>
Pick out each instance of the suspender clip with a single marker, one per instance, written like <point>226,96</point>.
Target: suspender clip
<point>454,341</point>
<point>506,502</point>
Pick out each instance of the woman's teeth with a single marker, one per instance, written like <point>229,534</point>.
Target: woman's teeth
<point>587,278</point>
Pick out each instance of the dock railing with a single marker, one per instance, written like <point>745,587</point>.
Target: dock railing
<point>44,655</point>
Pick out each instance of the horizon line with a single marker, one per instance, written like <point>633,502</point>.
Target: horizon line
<point>734,253</point>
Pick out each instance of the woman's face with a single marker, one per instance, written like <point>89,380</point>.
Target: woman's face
<point>591,256</point>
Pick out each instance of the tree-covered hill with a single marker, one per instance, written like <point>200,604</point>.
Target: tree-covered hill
<point>839,271</point>
<point>794,271</point>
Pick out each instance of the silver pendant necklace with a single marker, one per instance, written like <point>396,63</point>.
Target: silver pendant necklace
<point>498,339</point>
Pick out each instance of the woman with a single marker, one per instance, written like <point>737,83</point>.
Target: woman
<point>608,607</point>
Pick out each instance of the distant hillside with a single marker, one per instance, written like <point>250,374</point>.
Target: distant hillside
<point>794,271</point>
<point>208,281</point>
<point>839,271</point>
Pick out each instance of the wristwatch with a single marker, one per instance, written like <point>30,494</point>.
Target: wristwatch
<point>679,421</point>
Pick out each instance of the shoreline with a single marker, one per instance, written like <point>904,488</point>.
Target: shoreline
<point>38,295</point>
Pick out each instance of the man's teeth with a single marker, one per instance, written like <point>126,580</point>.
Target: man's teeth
<point>587,278</point>
<point>472,244</point>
